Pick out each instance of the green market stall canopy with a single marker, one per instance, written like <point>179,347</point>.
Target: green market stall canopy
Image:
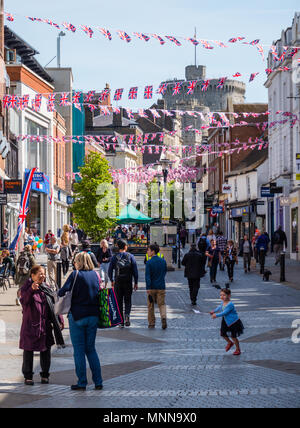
<point>131,215</point>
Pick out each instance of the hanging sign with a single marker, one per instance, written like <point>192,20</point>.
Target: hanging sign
<point>226,189</point>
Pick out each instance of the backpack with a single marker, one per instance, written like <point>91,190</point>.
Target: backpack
<point>23,265</point>
<point>123,268</point>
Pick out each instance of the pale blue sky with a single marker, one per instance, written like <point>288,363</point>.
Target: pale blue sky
<point>97,61</point>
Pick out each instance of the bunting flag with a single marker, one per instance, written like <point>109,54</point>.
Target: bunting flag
<point>252,76</point>
<point>177,88</point>
<point>90,96</point>
<point>205,85</point>
<point>142,36</point>
<point>64,99</point>
<point>6,102</point>
<point>106,33</point>
<point>193,41</point>
<point>23,102</point>
<point>191,87</point>
<point>50,103</point>
<point>237,75</point>
<point>124,36</point>
<point>118,94</point>
<point>9,17</point>
<point>206,45</point>
<point>160,39</point>
<point>162,89</point>
<point>76,97</point>
<point>87,30</point>
<point>220,44</point>
<point>173,40</point>
<point>235,39</point>
<point>14,101</point>
<point>133,93</point>
<point>24,207</point>
<point>68,26</point>
<point>148,92</point>
<point>261,51</point>
<point>104,95</point>
<point>221,82</point>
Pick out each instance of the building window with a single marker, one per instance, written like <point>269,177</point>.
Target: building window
<point>248,188</point>
<point>236,190</point>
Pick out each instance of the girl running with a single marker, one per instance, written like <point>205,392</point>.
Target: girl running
<point>230,322</point>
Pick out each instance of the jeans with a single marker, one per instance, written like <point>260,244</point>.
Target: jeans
<point>247,261</point>
<point>104,272</point>
<point>194,285</point>
<point>83,336</point>
<point>124,293</point>
<point>45,362</point>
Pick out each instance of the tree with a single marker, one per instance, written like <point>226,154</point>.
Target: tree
<point>96,200</point>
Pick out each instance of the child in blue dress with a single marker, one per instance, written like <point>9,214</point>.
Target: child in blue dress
<point>231,324</point>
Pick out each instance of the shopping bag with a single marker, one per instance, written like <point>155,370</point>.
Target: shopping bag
<point>110,315</point>
<point>253,263</point>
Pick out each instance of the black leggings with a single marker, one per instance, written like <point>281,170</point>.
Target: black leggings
<point>230,268</point>
<point>65,266</point>
<point>45,361</point>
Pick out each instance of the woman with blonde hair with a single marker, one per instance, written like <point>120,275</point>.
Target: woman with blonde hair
<point>83,317</point>
<point>104,256</point>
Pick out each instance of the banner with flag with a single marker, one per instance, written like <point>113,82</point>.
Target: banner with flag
<point>24,207</point>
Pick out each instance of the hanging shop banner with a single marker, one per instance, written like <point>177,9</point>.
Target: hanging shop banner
<point>227,189</point>
<point>12,186</point>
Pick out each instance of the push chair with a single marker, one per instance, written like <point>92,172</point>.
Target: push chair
<point>4,277</point>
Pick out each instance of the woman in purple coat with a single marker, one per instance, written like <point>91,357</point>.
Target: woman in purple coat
<point>39,323</point>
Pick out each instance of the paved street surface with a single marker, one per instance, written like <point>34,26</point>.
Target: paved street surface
<point>184,366</point>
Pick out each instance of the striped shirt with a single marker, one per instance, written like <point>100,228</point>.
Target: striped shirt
<point>221,243</point>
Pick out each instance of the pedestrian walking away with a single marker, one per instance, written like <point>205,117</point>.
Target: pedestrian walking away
<point>156,270</point>
<point>231,324</point>
<point>194,263</point>
<point>74,240</point>
<point>53,250</point>
<point>214,259</point>
<point>122,271</point>
<point>104,256</point>
<point>246,252</point>
<point>262,243</point>
<point>83,319</point>
<point>38,325</point>
<point>183,236</point>
<point>222,244</point>
<point>279,243</point>
<point>230,259</point>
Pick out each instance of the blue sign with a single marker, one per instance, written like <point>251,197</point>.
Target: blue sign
<point>218,210</point>
<point>38,177</point>
<point>239,212</point>
<point>38,185</point>
<point>266,192</point>
<point>70,200</point>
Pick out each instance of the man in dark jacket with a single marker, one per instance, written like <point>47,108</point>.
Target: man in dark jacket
<point>156,269</point>
<point>279,242</point>
<point>262,244</point>
<point>122,270</point>
<point>194,263</point>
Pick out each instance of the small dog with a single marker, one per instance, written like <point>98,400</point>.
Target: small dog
<point>267,275</point>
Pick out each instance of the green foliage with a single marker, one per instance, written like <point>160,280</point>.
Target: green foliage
<point>89,201</point>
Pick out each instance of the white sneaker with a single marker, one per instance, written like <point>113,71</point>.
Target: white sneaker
<point>18,302</point>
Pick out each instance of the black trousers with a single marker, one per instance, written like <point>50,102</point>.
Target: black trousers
<point>124,293</point>
<point>45,361</point>
<point>65,266</point>
<point>262,260</point>
<point>230,268</point>
<point>194,285</point>
<point>213,270</point>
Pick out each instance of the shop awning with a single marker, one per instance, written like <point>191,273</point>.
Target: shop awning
<point>131,215</point>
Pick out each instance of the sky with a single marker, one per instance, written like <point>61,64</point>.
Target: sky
<point>98,61</point>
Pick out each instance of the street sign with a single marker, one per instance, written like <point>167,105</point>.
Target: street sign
<point>260,203</point>
<point>277,190</point>
<point>12,186</point>
<point>297,166</point>
<point>3,199</point>
<point>267,192</point>
<point>226,189</point>
<point>70,200</point>
<point>217,210</point>
<point>38,177</point>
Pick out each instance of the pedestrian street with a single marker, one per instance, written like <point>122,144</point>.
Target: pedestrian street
<point>185,366</point>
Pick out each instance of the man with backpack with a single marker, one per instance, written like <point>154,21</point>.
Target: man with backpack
<point>24,264</point>
<point>279,242</point>
<point>122,270</point>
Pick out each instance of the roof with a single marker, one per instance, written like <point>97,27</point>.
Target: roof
<point>250,107</point>
<point>26,52</point>
<point>250,163</point>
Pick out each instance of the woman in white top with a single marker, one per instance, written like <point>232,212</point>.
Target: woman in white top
<point>74,241</point>
<point>211,236</point>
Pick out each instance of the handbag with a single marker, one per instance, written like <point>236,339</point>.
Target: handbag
<point>110,315</point>
<point>62,305</point>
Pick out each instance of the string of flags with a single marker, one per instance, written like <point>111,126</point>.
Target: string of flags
<point>162,39</point>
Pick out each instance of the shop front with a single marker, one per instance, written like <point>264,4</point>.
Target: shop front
<point>244,222</point>
<point>295,230</point>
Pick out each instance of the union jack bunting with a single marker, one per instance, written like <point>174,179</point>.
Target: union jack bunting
<point>162,89</point>
<point>47,21</point>
<point>92,107</point>
<point>133,93</point>
<point>191,87</point>
<point>129,113</point>
<point>155,113</point>
<point>252,76</point>
<point>23,102</point>
<point>118,94</point>
<point>261,51</point>
<point>50,102</point>
<point>104,95</point>
<point>64,99</point>
<point>177,88</point>
<point>274,53</point>
<point>160,39</point>
<point>193,41</point>
<point>105,110</point>
<point>142,113</point>
<point>221,82</point>
<point>106,33</point>
<point>90,96</point>
<point>281,58</point>
<point>69,27</point>
<point>205,85</point>
<point>220,44</point>
<point>9,17</point>
<point>235,39</point>
<point>206,45</point>
<point>148,92</point>
<point>124,36</point>
<point>23,207</point>
<point>254,42</point>
<point>142,36</point>
<point>116,110</point>
<point>78,106</point>
<point>14,101</point>
<point>237,75</point>
<point>173,40</point>
<point>76,97</point>
<point>167,113</point>
<point>87,30</point>
<point>6,102</point>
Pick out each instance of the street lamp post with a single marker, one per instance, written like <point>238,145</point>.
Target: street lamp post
<point>61,34</point>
